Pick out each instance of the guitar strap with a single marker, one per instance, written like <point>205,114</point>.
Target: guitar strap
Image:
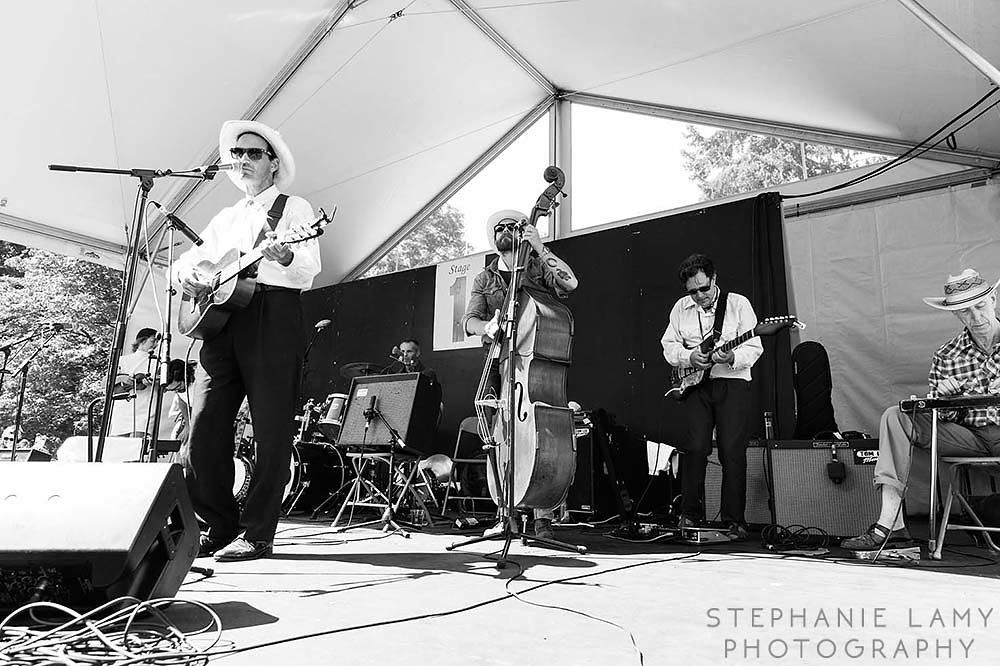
<point>720,313</point>
<point>273,217</point>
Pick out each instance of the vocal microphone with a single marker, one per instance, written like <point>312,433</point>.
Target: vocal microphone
<point>178,223</point>
<point>215,168</point>
<point>369,413</point>
<point>322,323</point>
<point>396,353</point>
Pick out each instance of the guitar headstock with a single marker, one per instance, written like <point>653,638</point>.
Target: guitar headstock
<point>771,325</point>
<point>313,230</point>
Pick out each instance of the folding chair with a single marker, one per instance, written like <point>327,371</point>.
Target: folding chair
<point>959,485</point>
<point>468,454</point>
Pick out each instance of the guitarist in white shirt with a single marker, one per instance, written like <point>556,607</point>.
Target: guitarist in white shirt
<point>722,401</point>
<point>257,353</point>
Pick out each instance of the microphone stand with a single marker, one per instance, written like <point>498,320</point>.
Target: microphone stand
<point>7,346</point>
<point>505,473</point>
<point>146,178</point>
<point>23,371</point>
<point>305,363</point>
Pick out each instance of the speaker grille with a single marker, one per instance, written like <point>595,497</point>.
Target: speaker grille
<point>805,495</point>
<point>758,511</point>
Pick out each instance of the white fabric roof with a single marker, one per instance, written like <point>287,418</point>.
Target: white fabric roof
<point>383,113</point>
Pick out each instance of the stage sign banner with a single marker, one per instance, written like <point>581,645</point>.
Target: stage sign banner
<point>452,290</point>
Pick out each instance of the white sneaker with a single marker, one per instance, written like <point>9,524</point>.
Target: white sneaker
<point>495,530</point>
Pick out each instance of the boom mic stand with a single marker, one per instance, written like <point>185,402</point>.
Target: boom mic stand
<point>505,474</point>
<point>23,371</point>
<point>146,178</point>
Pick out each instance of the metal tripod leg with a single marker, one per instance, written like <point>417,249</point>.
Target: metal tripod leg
<point>510,532</point>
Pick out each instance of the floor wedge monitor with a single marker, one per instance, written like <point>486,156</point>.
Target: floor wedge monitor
<point>82,534</point>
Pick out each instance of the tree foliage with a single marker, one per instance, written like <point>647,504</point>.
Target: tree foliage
<point>728,162</point>
<point>439,238</point>
<point>36,287</point>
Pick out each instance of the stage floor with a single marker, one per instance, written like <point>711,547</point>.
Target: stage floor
<point>364,597</point>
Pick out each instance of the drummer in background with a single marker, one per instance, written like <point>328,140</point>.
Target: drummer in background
<point>968,364</point>
<point>407,359</point>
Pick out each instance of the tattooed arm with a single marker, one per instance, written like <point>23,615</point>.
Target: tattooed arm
<point>557,270</point>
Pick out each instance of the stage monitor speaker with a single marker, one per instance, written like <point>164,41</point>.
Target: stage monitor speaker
<point>405,400</point>
<point>825,484</point>
<point>758,508</point>
<point>81,535</point>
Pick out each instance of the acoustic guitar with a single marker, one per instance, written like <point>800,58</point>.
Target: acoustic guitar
<point>684,380</point>
<point>232,281</point>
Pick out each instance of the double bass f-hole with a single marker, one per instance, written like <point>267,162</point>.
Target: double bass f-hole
<point>522,413</point>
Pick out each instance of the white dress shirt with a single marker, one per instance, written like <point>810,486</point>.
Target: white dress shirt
<point>689,324</point>
<point>238,227</point>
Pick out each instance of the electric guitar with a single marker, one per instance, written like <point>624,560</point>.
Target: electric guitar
<point>683,381</point>
<point>232,281</point>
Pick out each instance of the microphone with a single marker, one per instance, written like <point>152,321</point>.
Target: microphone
<point>369,413</point>
<point>215,168</point>
<point>322,323</point>
<point>191,234</point>
<point>57,326</point>
<point>396,353</point>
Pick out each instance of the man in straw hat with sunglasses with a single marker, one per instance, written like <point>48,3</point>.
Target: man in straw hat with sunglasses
<point>968,364</point>
<point>257,354</point>
<point>722,403</point>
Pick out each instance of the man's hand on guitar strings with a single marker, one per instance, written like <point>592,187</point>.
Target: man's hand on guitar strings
<point>275,250</point>
<point>700,360</point>
<point>723,358</point>
<point>193,286</point>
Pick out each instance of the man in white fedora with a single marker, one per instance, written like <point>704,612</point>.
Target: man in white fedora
<point>968,364</point>
<point>258,352</point>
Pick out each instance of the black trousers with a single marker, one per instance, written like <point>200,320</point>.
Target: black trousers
<point>722,404</point>
<point>258,354</point>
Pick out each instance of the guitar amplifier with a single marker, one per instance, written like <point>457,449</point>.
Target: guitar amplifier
<point>825,484</point>
<point>758,509</point>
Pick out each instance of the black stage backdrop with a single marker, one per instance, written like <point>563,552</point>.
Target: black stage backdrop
<point>628,283</point>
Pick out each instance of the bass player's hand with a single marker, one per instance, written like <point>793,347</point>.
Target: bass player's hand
<point>700,360</point>
<point>491,327</point>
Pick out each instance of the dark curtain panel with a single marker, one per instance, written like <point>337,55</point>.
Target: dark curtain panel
<point>770,298</point>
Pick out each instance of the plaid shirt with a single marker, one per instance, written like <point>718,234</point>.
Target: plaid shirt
<point>978,371</point>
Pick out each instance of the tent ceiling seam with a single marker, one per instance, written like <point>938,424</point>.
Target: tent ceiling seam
<point>451,188</point>
<point>799,132</point>
<point>487,29</point>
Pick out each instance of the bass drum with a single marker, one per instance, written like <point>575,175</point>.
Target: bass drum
<point>243,466</point>
<point>318,471</point>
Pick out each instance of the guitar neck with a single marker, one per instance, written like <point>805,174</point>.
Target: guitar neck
<point>736,342</point>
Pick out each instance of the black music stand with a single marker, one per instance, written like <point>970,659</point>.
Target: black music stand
<point>368,434</point>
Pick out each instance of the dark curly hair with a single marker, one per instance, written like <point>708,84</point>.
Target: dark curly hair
<point>693,265</point>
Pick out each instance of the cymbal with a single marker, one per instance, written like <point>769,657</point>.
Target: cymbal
<point>360,369</point>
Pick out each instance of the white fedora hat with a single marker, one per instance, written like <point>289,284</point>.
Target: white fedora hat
<point>231,132</point>
<point>962,291</point>
<point>508,215</point>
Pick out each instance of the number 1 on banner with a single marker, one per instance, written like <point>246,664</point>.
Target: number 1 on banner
<point>457,293</point>
<point>453,283</point>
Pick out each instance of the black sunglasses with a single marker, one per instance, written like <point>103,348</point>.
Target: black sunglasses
<point>703,290</point>
<point>253,153</point>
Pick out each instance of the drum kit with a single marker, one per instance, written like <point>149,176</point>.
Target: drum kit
<point>318,469</point>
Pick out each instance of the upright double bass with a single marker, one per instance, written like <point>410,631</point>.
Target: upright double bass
<point>531,416</point>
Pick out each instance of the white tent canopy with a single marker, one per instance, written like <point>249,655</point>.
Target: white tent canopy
<point>387,103</point>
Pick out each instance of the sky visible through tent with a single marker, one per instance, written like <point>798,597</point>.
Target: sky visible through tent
<point>624,165</point>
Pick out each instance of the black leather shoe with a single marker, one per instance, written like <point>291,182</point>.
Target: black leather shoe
<point>241,549</point>
<point>209,545</point>
<point>687,522</point>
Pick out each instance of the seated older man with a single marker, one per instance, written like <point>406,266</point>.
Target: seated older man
<point>968,364</point>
